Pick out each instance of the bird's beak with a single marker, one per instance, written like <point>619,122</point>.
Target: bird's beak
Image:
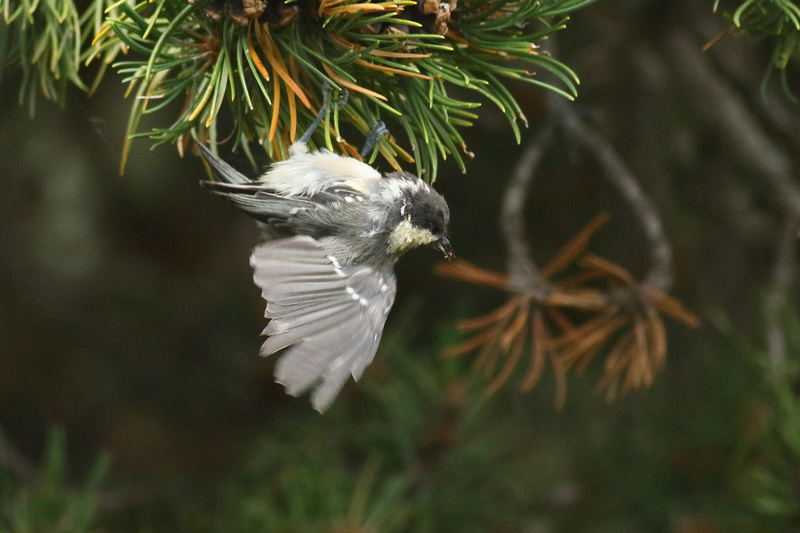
<point>447,249</point>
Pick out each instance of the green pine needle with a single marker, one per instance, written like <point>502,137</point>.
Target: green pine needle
<point>777,20</point>
<point>201,61</point>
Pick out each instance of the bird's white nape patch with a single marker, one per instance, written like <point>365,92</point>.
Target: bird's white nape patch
<point>407,236</point>
<point>394,188</point>
<point>298,148</point>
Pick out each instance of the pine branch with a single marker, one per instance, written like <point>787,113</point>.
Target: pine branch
<point>261,66</point>
<point>775,20</point>
<point>47,39</point>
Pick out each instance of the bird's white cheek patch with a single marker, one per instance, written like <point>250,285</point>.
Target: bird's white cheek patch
<point>405,237</point>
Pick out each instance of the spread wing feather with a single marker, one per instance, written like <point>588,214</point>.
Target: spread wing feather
<point>309,362</point>
<point>331,316</point>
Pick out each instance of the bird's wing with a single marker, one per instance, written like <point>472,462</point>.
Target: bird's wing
<point>332,316</point>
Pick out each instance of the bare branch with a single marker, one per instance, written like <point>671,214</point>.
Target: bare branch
<point>522,270</point>
<point>714,100</point>
<point>782,275</point>
<point>752,147</point>
<point>660,274</point>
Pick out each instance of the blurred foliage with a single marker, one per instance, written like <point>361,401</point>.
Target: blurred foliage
<point>775,20</point>
<point>47,40</point>
<point>49,503</point>
<point>286,488</point>
<point>769,457</point>
<point>420,452</point>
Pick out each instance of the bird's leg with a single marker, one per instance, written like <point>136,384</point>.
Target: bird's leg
<point>377,131</point>
<point>326,88</point>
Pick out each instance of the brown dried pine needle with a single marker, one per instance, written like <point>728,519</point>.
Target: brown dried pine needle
<point>568,322</point>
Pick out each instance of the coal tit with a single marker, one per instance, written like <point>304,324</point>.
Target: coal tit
<point>334,227</point>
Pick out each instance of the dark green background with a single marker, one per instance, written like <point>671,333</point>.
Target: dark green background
<point>128,316</point>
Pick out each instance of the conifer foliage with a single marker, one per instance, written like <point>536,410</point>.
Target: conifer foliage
<point>422,64</point>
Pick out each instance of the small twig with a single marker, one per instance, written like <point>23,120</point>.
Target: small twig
<point>660,274</point>
<point>782,276</point>
<point>522,270</point>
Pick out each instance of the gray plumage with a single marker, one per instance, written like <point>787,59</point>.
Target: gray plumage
<point>334,227</point>
<point>333,317</point>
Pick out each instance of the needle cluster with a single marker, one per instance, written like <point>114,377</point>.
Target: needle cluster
<point>260,66</point>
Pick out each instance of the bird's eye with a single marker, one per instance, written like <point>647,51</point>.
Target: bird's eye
<point>438,224</point>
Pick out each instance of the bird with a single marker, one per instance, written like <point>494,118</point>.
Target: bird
<point>333,228</point>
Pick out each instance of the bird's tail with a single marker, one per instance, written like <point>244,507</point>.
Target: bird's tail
<point>221,169</point>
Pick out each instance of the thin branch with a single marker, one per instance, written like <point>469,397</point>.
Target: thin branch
<point>522,270</point>
<point>660,274</point>
<point>782,276</point>
<point>713,99</point>
<point>753,148</point>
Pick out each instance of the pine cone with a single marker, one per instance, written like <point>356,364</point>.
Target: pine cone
<point>434,15</point>
<point>253,8</point>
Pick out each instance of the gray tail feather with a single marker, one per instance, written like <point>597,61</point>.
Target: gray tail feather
<point>257,202</point>
<point>223,170</point>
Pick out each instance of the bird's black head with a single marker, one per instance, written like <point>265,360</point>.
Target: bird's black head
<point>428,210</point>
<point>423,217</point>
